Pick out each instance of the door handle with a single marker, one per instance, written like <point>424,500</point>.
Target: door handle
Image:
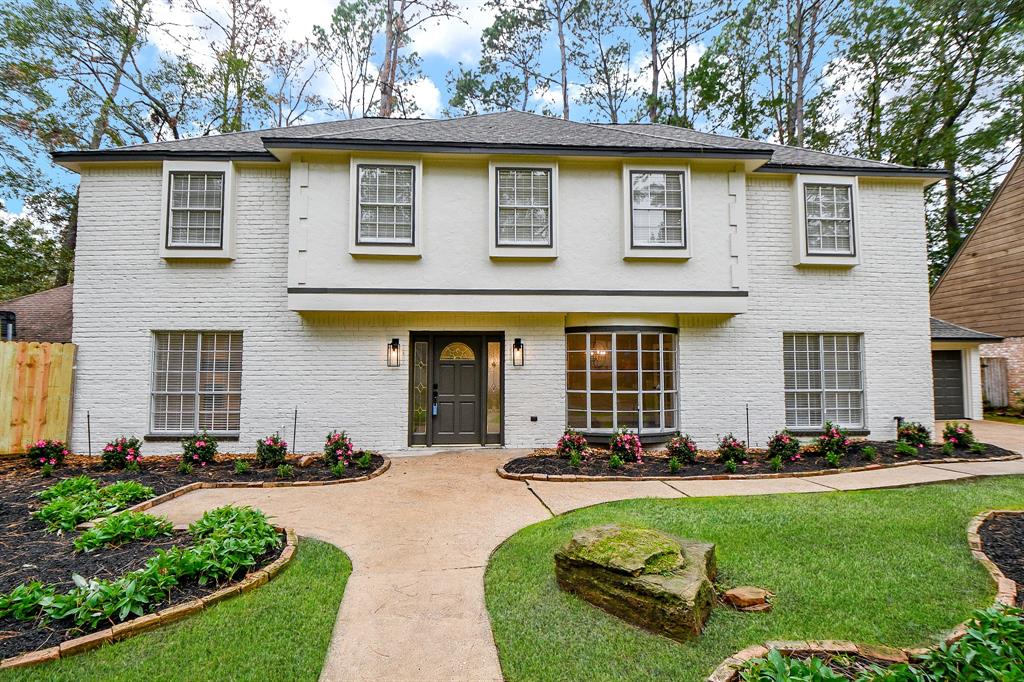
<point>434,404</point>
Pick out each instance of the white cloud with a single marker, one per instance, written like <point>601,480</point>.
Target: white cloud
<point>425,94</point>
<point>455,39</point>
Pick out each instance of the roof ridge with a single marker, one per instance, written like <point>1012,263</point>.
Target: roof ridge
<point>390,123</point>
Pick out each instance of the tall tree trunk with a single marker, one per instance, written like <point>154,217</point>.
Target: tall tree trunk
<point>68,243</point>
<point>652,25</point>
<point>560,21</point>
<point>952,227</point>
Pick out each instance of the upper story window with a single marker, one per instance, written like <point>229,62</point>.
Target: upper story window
<point>524,206</point>
<point>196,210</point>
<point>386,209</point>
<point>828,215</point>
<point>657,209</point>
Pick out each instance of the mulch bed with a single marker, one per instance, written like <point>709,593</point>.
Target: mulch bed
<point>1002,538</point>
<point>656,463</point>
<point>29,552</point>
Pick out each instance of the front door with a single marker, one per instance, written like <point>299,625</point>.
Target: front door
<point>457,396</point>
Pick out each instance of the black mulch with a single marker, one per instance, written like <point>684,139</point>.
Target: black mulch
<point>657,463</point>
<point>1002,537</point>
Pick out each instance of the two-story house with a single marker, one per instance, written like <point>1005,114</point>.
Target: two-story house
<point>492,280</point>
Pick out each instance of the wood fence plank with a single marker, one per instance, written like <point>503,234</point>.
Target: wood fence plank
<point>35,393</point>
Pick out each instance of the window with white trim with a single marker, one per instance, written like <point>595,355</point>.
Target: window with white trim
<point>828,212</point>
<point>196,209</point>
<point>385,211</point>
<point>197,382</point>
<point>824,380</point>
<point>657,209</point>
<point>523,206</point>
<point>621,379</point>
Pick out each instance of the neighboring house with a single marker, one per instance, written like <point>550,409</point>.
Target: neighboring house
<point>42,316</point>
<point>493,279</point>
<point>956,370</point>
<point>982,287</point>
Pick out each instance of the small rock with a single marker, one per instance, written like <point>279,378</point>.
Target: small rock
<point>747,597</point>
<point>757,607</point>
<point>306,461</point>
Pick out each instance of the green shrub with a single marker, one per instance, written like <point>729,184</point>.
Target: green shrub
<point>46,471</point>
<point>241,466</point>
<point>958,435</point>
<point>570,442</point>
<point>784,445</point>
<point>338,447</point>
<point>45,451</point>
<point>365,460</point>
<point>626,445</point>
<point>914,433</point>
<point>67,488</point>
<point>904,448</point>
<point>730,466</point>
<point>778,668</point>
<point>682,448</point>
<point>948,449</point>
<point>673,465</point>
<point>615,461</point>
<point>271,451</point>
<point>117,529</point>
<point>23,602</point>
<point>833,445</point>
<point>120,452</point>
<point>185,467</point>
<point>338,470</point>
<point>285,471</point>
<point>575,459</point>
<point>978,448</point>
<point>200,449</point>
<point>731,449</point>
<point>869,453</point>
<point>63,513</point>
<point>775,463</point>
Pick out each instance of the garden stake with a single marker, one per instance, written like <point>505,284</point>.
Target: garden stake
<point>295,423</point>
<point>88,431</point>
<point>748,424</point>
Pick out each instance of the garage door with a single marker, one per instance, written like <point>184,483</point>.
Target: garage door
<point>948,374</point>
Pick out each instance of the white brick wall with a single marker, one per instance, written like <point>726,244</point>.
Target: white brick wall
<point>331,366</point>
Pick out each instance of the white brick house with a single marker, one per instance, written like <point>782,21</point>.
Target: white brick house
<point>492,279</point>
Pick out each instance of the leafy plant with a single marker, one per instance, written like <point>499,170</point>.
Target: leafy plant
<point>673,465</point>
<point>775,463</point>
<point>948,449</point>
<point>731,449</point>
<point>571,442</point>
<point>615,461</point>
<point>978,448</point>
<point>778,668</point>
<point>271,451</point>
<point>285,471</point>
<point>730,466</point>
<point>833,445</point>
<point>338,447</point>
<point>120,452</point>
<point>241,466</point>
<point>682,448</point>
<point>869,453</point>
<point>185,467</point>
<point>626,445</point>
<point>365,460</point>
<point>117,529</point>
<point>200,449</point>
<point>958,435</point>
<point>784,445</point>
<point>338,470</point>
<point>68,487</point>
<point>45,451</point>
<point>84,503</point>
<point>575,459</point>
<point>25,600</point>
<point>46,471</point>
<point>905,448</point>
<point>914,433</point>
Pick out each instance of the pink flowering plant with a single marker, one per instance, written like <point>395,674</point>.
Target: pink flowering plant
<point>833,445</point>
<point>958,435</point>
<point>914,433</point>
<point>199,449</point>
<point>784,445</point>
<point>682,448</point>
<point>47,452</point>
<point>122,452</point>
<point>271,451</point>
<point>731,449</point>
<point>626,445</point>
<point>338,448</point>
<point>572,442</point>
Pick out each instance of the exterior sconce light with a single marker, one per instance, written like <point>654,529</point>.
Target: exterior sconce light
<point>518,356</point>
<point>394,353</point>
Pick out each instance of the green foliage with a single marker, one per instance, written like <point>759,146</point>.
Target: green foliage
<point>778,668</point>
<point>25,600</point>
<point>285,471</point>
<point>338,470</point>
<point>682,448</point>
<point>775,463</point>
<point>120,528</point>
<point>338,447</point>
<point>978,448</point>
<point>914,433</point>
<point>200,449</point>
<point>271,451</point>
<point>731,449</point>
<point>575,459</point>
<point>185,467</point>
<point>833,445</point>
<point>120,452</point>
<point>615,461</point>
<point>241,466</point>
<point>948,449</point>
<point>869,453</point>
<point>673,465</point>
<point>958,435</point>
<point>78,502</point>
<point>68,487</point>
<point>46,471</point>
<point>730,466</point>
<point>30,255</point>
<point>906,449</point>
<point>784,445</point>
<point>44,452</point>
<point>365,460</point>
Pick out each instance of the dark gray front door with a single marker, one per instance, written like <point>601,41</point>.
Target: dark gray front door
<point>458,394</point>
<point>948,375</point>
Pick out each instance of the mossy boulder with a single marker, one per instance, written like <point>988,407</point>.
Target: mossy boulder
<point>648,578</point>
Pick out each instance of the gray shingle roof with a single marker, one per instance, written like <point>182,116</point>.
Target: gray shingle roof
<point>507,130</point>
<point>947,331</point>
<point>43,316</point>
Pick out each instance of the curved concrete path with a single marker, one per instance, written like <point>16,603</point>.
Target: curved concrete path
<point>420,535</point>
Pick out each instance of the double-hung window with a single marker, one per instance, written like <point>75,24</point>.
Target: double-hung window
<point>828,218</point>
<point>386,196</point>
<point>197,382</point>
<point>824,380</point>
<point>196,210</point>
<point>657,214</point>
<point>523,206</point>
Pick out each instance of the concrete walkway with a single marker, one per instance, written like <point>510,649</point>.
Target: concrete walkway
<point>420,535</point>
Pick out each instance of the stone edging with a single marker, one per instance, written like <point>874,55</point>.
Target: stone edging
<point>573,478</point>
<point>140,624</point>
<point>1006,594</point>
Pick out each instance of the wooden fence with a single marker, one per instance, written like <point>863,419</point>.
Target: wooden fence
<point>994,381</point>
<point>35,392</point>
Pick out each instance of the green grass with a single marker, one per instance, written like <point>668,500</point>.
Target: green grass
<point>884,566</point>
<point>279,631</point>
<point>990,417</point>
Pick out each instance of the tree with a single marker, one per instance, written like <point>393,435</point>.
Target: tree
<point>400,18</point>
<point>30,256</point>
<point>685,30</point>
<point>602,57</point>
<point>347,46</point>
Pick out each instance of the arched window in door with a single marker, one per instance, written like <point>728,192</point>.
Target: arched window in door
<point>457,351</point>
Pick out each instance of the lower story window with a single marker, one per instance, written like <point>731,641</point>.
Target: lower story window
<point>621,379</point>
<point>197,382</point>
<point>824,380</point>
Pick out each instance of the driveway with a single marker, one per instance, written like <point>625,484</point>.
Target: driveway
<point>420,536</point>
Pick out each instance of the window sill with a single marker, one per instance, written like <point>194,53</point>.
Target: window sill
<point>510,251</point>
<point>828,261</point>
<point>231,437</point>
<point>192,253</point>
<point>805,433</point>
<point>656,253</point>
<point>386,250</point>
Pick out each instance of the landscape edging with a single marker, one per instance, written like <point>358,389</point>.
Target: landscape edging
<point>1006,594</point>
<point>146,622</point>
<point>575,478</point>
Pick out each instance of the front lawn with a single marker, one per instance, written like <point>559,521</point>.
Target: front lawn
<point>279,631</point>
<point>884,566</point>
<point>1006,418</point>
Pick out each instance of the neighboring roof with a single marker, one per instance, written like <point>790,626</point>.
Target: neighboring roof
<point>947,331</point>
<point>42,316</point>
<point>507,131</point>
<point>981,284</point>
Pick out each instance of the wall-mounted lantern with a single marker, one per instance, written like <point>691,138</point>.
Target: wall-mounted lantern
<point>6,325</point>
<point>518,355</point>
<point>394,353</point>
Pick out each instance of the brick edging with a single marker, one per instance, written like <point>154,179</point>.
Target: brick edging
<point>1006,594</point>
<point>140,624</point>
<point>574,478</point>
